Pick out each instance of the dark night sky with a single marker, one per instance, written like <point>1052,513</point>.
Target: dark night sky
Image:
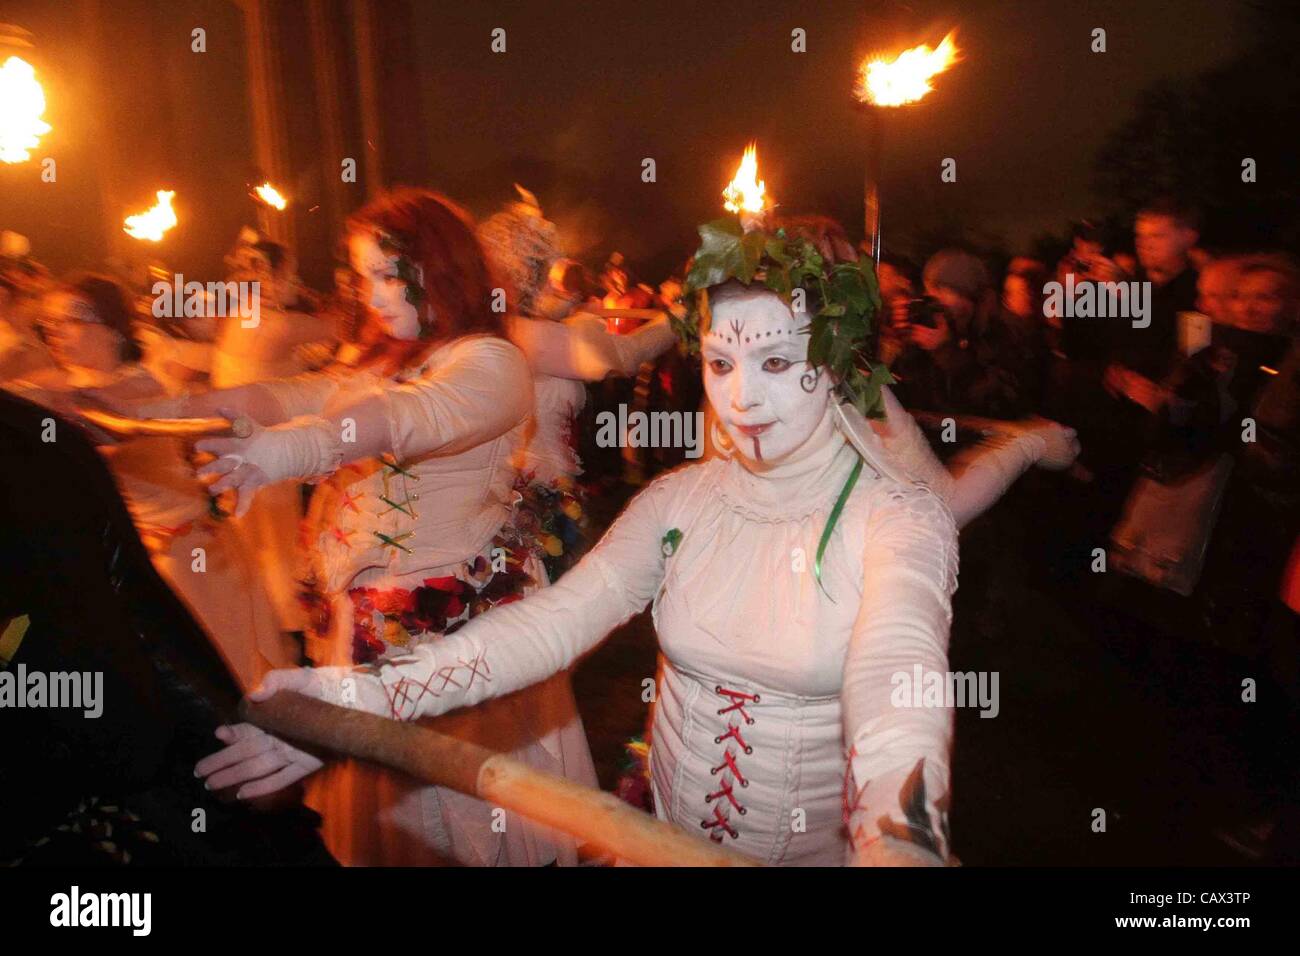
<point>587,90</point>
<point>591,93</point>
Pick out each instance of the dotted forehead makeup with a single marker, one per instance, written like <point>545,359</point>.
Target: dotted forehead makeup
<point>734,331</point>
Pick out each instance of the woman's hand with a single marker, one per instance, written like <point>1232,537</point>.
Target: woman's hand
<point>252,756</point>
<point>1062,444</point>
<point>233,467</point>
<point>298,449</point>
<point>257,762</point>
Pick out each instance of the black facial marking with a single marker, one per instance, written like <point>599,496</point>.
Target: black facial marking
<point>808,380</point>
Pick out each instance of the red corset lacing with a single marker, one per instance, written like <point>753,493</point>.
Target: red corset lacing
<point>720,822</point>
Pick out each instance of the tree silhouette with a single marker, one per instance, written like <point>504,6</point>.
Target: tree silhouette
<point>1190,139</point>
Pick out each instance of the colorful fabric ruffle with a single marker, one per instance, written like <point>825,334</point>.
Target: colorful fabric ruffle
<point>551,518</point>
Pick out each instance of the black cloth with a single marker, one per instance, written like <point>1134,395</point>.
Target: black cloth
<point>72,563</point>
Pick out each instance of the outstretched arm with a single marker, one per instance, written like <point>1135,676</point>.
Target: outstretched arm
<point>898,761</point>
<point>582,348</point>
<point>977,479</point>
<point>481,392</point>
<point>503,650</point>
<point>267,403</point>
<point>519,644</point>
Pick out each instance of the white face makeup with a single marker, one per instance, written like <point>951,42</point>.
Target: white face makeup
<point>382,288</point>
<point>767,397</point>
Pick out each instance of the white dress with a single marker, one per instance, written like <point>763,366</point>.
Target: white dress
<point>426,513</point>
<point>773,729</point>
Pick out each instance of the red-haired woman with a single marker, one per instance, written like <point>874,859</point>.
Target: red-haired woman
<point>409,528</point>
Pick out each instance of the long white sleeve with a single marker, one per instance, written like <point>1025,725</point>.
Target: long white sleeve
<point>904,440</point>
<point>515,645</point>
<point>984,476</point>
<point>581,347</point>
<point>482,391</point>
<point>978,478</point>
<point>899,753</point>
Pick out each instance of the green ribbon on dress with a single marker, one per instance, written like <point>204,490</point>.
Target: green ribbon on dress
<point>830,524</point>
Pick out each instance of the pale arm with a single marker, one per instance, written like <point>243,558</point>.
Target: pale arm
<point>502,650</point>
<point>977,479</point>
<point>899,755</point>
<point>515,645</point>
<point>581,347</point>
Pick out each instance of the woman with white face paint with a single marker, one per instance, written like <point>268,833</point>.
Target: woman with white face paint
<point>790,598</point>
<point>410,531</point>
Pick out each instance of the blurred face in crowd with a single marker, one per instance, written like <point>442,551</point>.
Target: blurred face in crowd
<point>381,288</point>
<point>76,336</point>
<point>1215,289</point>
<point>1260,303</point>
<point>769,401</point>
<point>1162,244</point>
<point>1017,296</point>
<point>956,305</point>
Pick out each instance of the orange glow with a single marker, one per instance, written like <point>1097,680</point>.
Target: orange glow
<point>905,78</point>
<point>22,103</point>
<point>153,224</point>
<point>746,192</point>
<point>271,196</point>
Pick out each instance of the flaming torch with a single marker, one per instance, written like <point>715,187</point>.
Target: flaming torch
<point>22,103</point>
<point>154,223</point>
<point>887,84</point>
<point>270,201</point>
<point>746,193</point>
<point>271,196</point>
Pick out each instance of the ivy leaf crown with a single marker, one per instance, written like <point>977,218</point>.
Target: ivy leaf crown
<point>842,298</point>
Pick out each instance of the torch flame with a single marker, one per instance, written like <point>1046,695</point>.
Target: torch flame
<point>905,78</point>
<point>271,196</point>
<point>153,225</point>
<point>746,192</point>
<point>22,103</point>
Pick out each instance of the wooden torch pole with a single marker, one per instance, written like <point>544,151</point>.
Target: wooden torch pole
<point>591,816</point>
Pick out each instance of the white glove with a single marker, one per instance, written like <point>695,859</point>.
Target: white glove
<point>306,448</point>
<point>262,762</point>
<point>257,761</point>
<point>1061,444</point>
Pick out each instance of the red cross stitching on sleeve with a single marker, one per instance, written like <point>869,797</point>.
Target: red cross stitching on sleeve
<point>405,695</point>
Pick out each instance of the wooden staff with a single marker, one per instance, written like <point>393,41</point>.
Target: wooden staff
<point>123,426</point>
<point>591,816</point>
